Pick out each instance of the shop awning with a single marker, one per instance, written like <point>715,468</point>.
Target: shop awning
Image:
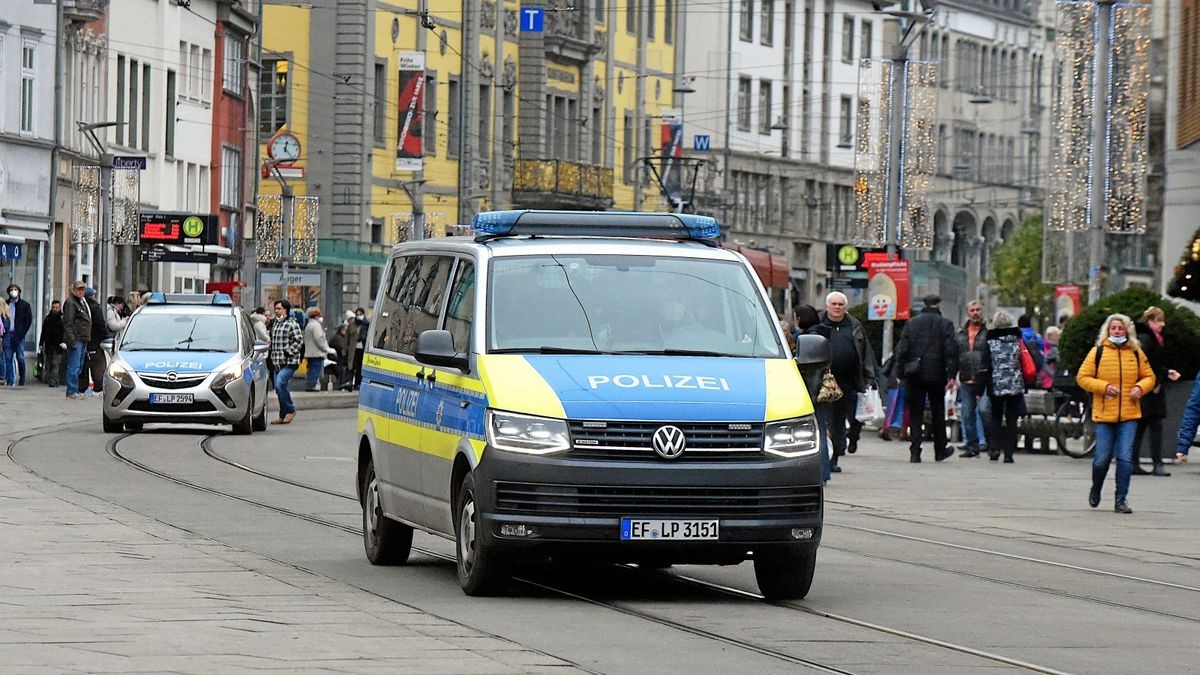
<point>772,269</point>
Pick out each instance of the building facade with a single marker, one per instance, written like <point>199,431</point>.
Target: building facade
<point>1181,194</point>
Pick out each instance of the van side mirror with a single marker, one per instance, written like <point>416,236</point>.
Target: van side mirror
<point>812,352</point>
<point>436,348</point>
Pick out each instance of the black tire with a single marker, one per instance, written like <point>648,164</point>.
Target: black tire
<point>259,423</point>
<point>133,426</point>
<point>1074,430</point>
<point>385,541</point>
<point>481,570</point>
<point>784,573</point>
<point>111,426</point>
<point>244,426</point>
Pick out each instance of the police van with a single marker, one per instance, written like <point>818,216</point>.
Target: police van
<point>598,384</point>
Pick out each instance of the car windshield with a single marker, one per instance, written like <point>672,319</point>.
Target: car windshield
<point>181,332</point>
<point>627,304</point>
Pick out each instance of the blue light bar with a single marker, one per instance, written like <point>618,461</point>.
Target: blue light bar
<point>160,298</point>
<point>682,226</point>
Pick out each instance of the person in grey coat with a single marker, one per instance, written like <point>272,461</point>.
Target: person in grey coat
<point>316,347</point>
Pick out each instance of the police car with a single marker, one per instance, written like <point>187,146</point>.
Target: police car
<point>190,359</point>
<point>607,385</point>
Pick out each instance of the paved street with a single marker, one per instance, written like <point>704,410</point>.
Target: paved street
<point>963,566</point>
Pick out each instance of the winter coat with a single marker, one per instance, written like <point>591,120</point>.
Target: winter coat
<point>1154,403</point>
<point>1123,367</point>
<point>99,328</point>
<point>1191,419</point>
<point>52,333</point>
<point>112,320</point>
<point>971,364</point>
<point>864,375</point>
<point>22,315</point>
<point>259,322</point>
<point>77,323</point>
<point>1002,358</point>
<point>928,349</point>
<point>315,344</point>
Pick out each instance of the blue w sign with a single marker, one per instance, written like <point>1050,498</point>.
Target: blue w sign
<point>701,142</point>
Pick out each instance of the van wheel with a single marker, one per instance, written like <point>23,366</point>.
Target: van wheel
<point>111,426</point>
<point>245,425</point>
<point>481,570</point>
<point>385,541</point>
<point>259,423</point>
<point>784,573</point>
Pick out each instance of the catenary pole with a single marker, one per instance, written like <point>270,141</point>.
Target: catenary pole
<point>1100,93</point>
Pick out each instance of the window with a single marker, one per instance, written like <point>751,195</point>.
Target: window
<point>508,100</point>
<point>233,78</point>
<point>429,120</point>
<point>206,74</point>
<point>865,50</point>
<point>597,125</point>
<point>944,62</point>
<point>169,118</point>
<point>764,106</point>
<point>28,85</point>
<point>380,104</point>
<point>598,7</point>
<point>452,139</point>
<point>746,21</point>
<point>651,18</point>
<point>848,39</point>
<point>145,108</point>
<point>743,104</point>
<point>425,300</point>
<point>231,177</point>
<point>389,321</point>
<point>766,33</point>
<point>668,21</point>
<point>273,96</point>
<point>120,100</point>
<point>627,170</point>
<point>631,16</point>
<point>133,103</point>
<point>846,122</point>
<point>460,306</point>
<point>485,119</point>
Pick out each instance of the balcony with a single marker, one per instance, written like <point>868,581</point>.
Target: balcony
<point>558,184</point>
<point>84,11</point>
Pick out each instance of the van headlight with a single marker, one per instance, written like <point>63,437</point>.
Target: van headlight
<point>226,375</point>
<point>119,372</point>
<point>796,437</point>
<point>526,434</point>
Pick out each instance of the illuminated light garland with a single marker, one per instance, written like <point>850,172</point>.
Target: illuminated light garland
<point>435,226</point>
<point>1068,193</point>
<point>85,205</point>
<point>268,228</point>
<point>918,155</point>
<point>126,193</point>
<point>305,216</point>
<point>1128,145</point>
<point>871,151</point>
<point>401,225</point>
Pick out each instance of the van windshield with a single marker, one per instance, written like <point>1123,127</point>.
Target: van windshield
<point>181,332</point>
<point>627,304</point>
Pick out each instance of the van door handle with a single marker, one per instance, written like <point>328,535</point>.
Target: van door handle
<point>432,376</point>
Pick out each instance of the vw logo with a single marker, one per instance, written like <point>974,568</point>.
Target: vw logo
<point>172,376</point>
<point>668,442</point>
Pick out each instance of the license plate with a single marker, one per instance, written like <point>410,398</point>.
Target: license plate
<point>172,398</point>
<point>649,529</point>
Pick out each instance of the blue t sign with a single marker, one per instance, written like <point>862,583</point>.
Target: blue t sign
<point>533,19</point>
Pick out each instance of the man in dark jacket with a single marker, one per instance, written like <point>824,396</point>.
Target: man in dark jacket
<point>972,384</point>
<point>22,320</point>
<point>77,331</point>
<point>52,338</point>
<point>927,357</point>
<point>852,366</point>
<point>1153,404</point>
<point>95,361</point>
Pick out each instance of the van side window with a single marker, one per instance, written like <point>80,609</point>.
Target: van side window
<point>461,307</point>
<point>388,323</point>
<point>424,302</point>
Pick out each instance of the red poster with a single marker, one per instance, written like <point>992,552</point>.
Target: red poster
<point>1066,301</point>
<point>410,145</point>
<point>888,290</point>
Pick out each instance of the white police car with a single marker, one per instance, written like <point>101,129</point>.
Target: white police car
<point>189,359</point>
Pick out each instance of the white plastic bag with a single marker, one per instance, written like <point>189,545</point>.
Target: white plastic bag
<point>869,408</point>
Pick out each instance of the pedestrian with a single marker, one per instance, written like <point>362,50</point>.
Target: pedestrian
<point>805,317</point>
<point>1189,423</point>
<point>77,331</point>
<point>1154,403</point>
<point>1049,368</point>
<point>851,367</point>
<point>95,362</point>
<point>972,378</point>
<point>927,357</point>
<point>6,337</point>
<point>1005,384</point>
<point>133,300</point>
<point>50,345</point>
<point>337,341</point>
<point>114,315</point>
<point>1033,342</point>
<point>360,343</point>
<point>22,319</point>
<point>287,345</point>
<point>1118,375</point>
<point>316,348</point>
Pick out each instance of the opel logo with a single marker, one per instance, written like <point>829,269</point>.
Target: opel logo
<point>172,376</point>
<point>668,442</point>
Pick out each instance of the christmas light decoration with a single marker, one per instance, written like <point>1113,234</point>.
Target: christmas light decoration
<point>126,193</point>
<point>871,151</point>
<point>1186,283</point>
<point>401,224</point>
<point>1128,148</point>
<point>85,205</point>
<point>918,155</point>
<point>268,228</point>
<point>1068,194</point>
<point>305,216</point>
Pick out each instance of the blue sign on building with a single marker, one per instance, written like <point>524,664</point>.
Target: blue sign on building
<point>533,19</point>
<point>10,250</point>
<point>701,142</point>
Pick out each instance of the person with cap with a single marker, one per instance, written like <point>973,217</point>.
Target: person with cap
<point>927,359</point>
<point>316,348</point>
<point>77,332</point>
<point>22,319</point>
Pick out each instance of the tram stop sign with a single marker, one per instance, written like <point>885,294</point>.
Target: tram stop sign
<point>179,229</point>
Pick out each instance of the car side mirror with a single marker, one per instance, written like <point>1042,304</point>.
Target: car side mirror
<point>812,352</point>
<point>260,347</point>
<point>107,346</point>
<point>436,348</point>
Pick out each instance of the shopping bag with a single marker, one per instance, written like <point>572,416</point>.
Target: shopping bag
<point>869,409</point>
<point>951,404</point>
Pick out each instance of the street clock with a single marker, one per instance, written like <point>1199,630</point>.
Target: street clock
<point>284,147</point>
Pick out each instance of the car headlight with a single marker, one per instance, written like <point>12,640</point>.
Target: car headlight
<point>226,375</point>
<point>526,434</point>
<point>796,437</point>
<point>119,372</point>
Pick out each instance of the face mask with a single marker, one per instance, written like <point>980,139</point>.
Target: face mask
<point>14,294</point>
<point>359,318</point>
<point>1117,340</point>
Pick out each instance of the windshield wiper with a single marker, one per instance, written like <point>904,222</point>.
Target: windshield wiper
<point>679,352</point>
<point>544,350</point>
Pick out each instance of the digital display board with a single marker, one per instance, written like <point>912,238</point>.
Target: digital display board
<point>178,228</point>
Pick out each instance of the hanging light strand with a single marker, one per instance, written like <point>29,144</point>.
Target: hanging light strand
<point>268,228</point>
<point>871,151</point>
<point>918,155</point>
<point>1068,196</point>
<point>1128,146</point>
<point>85,205</point>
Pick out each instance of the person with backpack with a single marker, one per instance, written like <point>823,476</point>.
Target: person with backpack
<point>927,357</point>
<point>1005,382</point>
<point>1118,375</point>
<point>1154,404</point>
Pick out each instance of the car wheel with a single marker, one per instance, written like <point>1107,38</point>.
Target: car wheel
<point>259,423</point>
<point>111,426</point>
<point>245,425</point>
<point>481,570</point>
<point>784,573</point>
<point>133,426</point>
<point>385,541</point>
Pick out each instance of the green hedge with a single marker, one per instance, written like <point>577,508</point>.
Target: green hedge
<point>1181,332</point>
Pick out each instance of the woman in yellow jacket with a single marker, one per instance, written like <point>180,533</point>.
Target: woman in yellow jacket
<point>1117,374</point>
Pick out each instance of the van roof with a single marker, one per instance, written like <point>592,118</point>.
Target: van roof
<point>531,245</point>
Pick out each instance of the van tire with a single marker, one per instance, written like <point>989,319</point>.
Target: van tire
<point>385,541</point>
<point>482,571</point>
<point>784,573</point>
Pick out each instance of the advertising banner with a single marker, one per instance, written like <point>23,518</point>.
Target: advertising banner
<point>410,143</point>
<point>888,290</point>
<point>672,151</point>
<point>1066,301</point>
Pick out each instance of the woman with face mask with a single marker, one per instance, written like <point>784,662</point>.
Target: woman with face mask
<point>1118,375</point>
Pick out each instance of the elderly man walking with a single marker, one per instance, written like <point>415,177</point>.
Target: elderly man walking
<point>972,378</point>
<point>927,357</point>
<point>852,366</point>
<point>77,331</point>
